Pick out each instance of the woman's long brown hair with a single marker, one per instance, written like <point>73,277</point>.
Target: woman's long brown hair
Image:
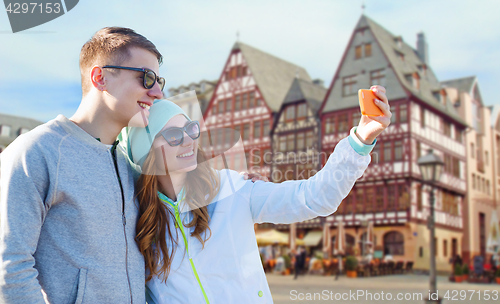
<point>153,224</point>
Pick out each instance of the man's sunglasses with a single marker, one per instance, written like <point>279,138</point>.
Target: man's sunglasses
<point>175,136</point>
<point>149,77</point>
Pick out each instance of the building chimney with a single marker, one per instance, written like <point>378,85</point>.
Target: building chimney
<point>422,48</point>
<point>319,82</point>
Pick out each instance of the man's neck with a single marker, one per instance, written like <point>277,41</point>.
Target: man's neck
<point>97,122</point>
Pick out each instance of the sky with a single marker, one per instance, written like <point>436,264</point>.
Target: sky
<point>40,78</point>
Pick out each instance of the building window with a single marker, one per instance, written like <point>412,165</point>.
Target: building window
<point>391,197</point>
<point>343,122</point>
<point>419,198</point>
<point>246,131</point>
<point>290,113</point>
<point>251,99</point>
<point>403,113</point>
<point>256,157</point>
<point>447,128</point>
<point>228,105</point>
<point>237,132</point>
<point>387,151</point>
<point>482,234</point>
<point>394,243</point>
<point>349,85</point>
<point>398,150</point>
<point>458,135</point>
<point>282,143</point>
<point>228,134</point>
<point>214,109</point>
<point>456,166</point>
<point>379,199</point>
<point>300,141</point>
<point>473,181</point>
<point>422,117</point>
<point>221,106</point>
<point>358,52</point>
<point>393,111</point>
<point>256,129</point>
<point>419,150</point>
<point>375,155</point>
<point>403,197</point>
<point>266,128</point>
<point>445,248</point>
<point>329,125</point>
<point>421,251</point>
<point>368,49</point>
<point>290,142</point>
<point>486,156</point>
<point>301,111</point>
<point>472,150</point>
<point>377,77</point>
<point>244,101</point>
<point>370,195</point>
<point>310,139</point>
<point>237,102</point>
<point>5,131</point>
<point>23,131</point>
<point>356,117</point>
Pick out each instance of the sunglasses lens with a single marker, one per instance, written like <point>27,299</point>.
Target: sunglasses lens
<point>149,79</point>
<point>173,136</point>
<point>193,130</point>
<point>161,82</point>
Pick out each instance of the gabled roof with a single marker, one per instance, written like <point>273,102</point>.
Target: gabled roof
<point>272,74</point>
<point>393,48</point>
<point>301,89</point>
<point>462,84</point>
<point>411,64</point>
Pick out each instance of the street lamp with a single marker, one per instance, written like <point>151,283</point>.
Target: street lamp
<point>431,167</point>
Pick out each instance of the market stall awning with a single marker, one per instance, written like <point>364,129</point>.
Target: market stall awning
<point>273,236</point>
<point>313,238</point>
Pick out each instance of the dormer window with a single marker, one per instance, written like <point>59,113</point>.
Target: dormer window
<point>23,130</point>
<point>400,55</point>
<point>399,41</point>
<point>440,96</point>
<point>422,68</point>
<point>413,79</point>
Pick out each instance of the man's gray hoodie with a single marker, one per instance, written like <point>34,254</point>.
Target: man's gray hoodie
<point>65,235</point>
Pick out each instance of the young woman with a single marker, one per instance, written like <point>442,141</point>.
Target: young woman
<point>196,228</point>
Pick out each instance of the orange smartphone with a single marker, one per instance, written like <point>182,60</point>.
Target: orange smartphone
<point>367,103</point>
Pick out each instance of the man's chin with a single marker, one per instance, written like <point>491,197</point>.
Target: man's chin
<point>139,120</point>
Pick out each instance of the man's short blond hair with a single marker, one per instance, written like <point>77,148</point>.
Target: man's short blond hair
<point>110,46</point>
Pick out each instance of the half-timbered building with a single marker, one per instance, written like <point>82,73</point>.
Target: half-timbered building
<point>250,90</point>
<point>391,193</point>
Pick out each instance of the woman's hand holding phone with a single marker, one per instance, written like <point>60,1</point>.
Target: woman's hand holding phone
<point>371,126</point>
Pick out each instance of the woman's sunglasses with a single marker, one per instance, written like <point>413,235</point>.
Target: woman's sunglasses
<point>175,136</point>
<point>149,77</point>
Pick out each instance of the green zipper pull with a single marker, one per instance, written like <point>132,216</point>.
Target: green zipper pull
<point>176,216</point>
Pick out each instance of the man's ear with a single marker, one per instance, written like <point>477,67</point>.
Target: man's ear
<point>97,78</point>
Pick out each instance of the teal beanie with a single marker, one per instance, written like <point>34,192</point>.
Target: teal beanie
<point>138,141</point>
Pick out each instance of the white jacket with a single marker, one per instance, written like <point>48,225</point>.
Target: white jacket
<point>229,269</point>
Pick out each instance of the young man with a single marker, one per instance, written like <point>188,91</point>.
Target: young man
<point>67,202</point>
